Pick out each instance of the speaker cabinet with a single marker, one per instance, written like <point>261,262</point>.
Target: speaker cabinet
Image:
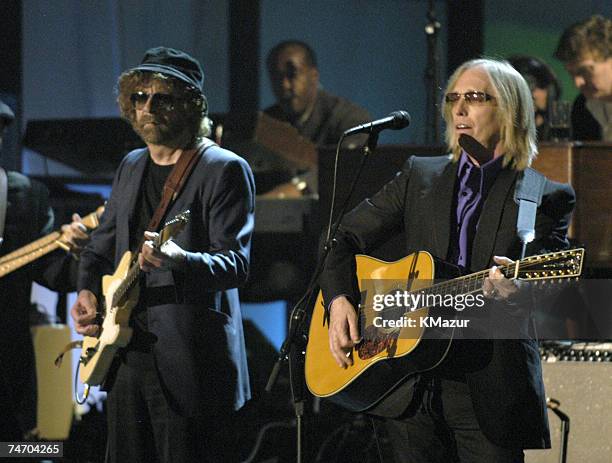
<point>54,414</point>
<point>584,389</point>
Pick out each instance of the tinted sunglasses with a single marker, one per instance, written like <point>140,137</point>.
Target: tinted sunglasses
<point>469,97</point>
<point>158,100</point>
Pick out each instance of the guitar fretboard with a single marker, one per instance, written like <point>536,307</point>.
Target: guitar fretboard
<point>42,246</point>
<point>561,264</point>
<point>127,284</point>
<point>22,256</point>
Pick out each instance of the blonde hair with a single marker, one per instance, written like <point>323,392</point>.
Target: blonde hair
<point>515,112</point>
<point>192,102</point>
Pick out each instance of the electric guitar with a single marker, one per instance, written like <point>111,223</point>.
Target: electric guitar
<point>392,346</point>
<point>42,246</point>
<point>120,295</point>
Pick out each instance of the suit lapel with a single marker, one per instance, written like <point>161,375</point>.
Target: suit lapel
<point>135,183</point>
<point>484,241</point>
<point>443,188</point>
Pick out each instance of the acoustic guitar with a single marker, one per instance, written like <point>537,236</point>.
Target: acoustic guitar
<point>43,246</point>
<point>120,295</point>
<point>405,336</point>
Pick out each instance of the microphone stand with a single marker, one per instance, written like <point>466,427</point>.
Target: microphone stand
<point>293,348</point>
<point>553,405</point>
<point>432,29</point>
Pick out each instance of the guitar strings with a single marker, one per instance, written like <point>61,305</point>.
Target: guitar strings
<point>466,281</point>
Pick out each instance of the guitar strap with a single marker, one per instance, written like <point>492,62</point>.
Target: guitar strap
<point>528,195</point>
<point>175,182</point>
<point>3,201</point>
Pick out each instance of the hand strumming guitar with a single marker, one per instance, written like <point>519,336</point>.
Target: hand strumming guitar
<point>83,312</point>
<point>343,331</point>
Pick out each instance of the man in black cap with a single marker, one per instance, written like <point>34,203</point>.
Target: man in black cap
<point>174,390</point>
<point>25,215</point>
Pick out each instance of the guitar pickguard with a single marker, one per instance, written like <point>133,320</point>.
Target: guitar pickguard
<point>376,341</point>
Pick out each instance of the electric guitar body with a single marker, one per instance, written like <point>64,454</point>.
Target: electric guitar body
<point>115,331</point>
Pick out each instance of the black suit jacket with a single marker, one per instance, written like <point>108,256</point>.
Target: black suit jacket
<point>199,350</point>
<point>584,126</point>
<point>506,386</point>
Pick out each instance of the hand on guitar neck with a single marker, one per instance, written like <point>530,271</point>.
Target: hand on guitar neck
<point>74,235</point>
<point>169,256</point>
<point>72,238</point>
<point>496,285</point>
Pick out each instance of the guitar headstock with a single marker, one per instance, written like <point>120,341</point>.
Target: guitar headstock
<point>554,265</point>
<point>174,226</point>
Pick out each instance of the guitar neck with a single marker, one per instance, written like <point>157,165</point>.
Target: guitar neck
<point>127,284</point>
<point>39,248</point>
<point>560,264</point>
<point>467,284</point>
<point>29,253</point>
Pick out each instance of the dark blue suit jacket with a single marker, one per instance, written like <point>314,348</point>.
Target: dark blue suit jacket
<point>199,351</point>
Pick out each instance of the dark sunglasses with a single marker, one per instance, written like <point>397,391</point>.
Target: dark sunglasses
<point>469,97</point>
<point>158,100</point>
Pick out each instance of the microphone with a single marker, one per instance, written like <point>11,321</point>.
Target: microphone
<point>395,121</point>
<point>472,146</point>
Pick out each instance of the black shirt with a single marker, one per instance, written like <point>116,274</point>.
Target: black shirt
<point>149,198</point>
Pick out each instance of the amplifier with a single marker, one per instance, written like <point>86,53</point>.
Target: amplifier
<point>55,409</point>
<point>579,376</point>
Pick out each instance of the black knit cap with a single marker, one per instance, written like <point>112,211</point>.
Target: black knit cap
<point>6,113</point>
<point>173,63</point>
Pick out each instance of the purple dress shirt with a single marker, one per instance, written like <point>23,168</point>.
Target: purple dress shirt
<point>472,187</point>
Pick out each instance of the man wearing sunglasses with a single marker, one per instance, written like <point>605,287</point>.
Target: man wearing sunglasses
<point>485,401</point>
<point>174,390</point>
<point>585,48</point>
